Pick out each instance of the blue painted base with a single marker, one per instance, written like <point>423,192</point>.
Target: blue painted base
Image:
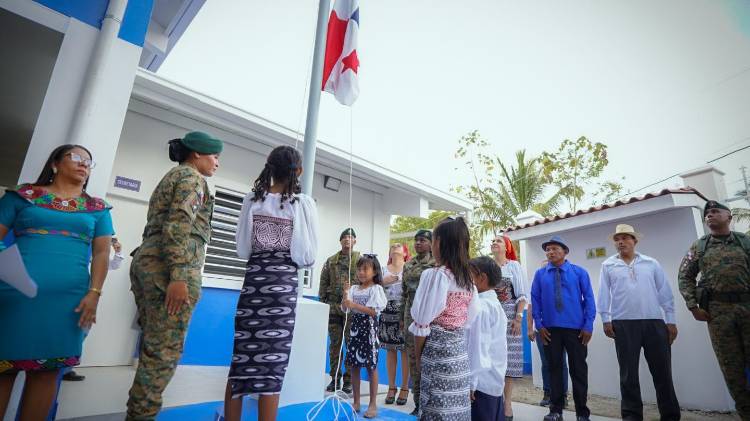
<point>210,411</point>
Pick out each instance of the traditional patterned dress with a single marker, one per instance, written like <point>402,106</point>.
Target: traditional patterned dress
<point>510,291</point>
<point>54,237</point>
<point>441,311</point>
<point>362,345</point>
<point>390,334</point>
<point>276,238</point>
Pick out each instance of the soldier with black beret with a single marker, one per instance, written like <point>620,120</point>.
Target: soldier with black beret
<point>722,297</point>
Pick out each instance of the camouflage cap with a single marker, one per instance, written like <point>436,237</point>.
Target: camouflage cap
<point>713,204</point>
<point>202,143</point>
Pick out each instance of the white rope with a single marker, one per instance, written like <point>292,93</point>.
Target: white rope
<point>339,399</point>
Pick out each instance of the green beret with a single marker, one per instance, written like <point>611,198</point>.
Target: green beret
<point>202,143</point>
<point>423,233</point>
<point>348,231</point>
<point>712,204</point>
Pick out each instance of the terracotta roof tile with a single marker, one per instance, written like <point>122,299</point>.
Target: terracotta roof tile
<point>681,190</point>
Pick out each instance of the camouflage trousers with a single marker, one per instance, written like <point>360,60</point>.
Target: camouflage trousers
<point>337,331</point>
<point>415,371</point>
<point>163,336</point>
<point>729,329</point>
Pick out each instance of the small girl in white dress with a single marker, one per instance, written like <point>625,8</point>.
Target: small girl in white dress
<point>365,302</point>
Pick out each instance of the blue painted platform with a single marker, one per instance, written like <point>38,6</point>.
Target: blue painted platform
<point>209,412</point>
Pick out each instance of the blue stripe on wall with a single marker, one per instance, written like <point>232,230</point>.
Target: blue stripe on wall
<point>87,11</point>
<point>134,25</point>
<point>135,22</point>
<point>210,336</point>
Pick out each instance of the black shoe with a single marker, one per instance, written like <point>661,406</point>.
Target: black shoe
<point>72,376</point>
<point>415,412</point>
<point>331,386</point>
<point>347,387</point>
<point>553,416</point>
<point>545,400</point>
<point>582,418</point>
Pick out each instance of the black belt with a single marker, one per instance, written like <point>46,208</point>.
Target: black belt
<point>730,297</point>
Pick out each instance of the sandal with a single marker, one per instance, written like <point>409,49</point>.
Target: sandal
<point>371,413</point>
<point>390,398</point>
<point>401,401</point>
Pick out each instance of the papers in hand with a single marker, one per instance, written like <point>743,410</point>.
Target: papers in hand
<point>13,272</point>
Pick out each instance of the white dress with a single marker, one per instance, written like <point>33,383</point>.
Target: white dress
<point>362,345</point>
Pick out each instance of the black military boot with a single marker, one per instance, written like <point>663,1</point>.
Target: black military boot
<point>331,387</point>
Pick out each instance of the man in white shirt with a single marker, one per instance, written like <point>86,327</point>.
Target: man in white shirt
<point>635,301</point>
<point>487,344</point>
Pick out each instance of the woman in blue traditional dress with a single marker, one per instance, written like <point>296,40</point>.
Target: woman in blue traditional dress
<point>59,231</point>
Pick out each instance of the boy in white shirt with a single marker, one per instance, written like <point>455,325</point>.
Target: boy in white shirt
<point>488,350</point>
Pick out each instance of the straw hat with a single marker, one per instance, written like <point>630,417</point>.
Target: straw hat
<point>625,229</point>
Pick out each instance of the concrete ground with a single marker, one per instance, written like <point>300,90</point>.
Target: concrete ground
<point>103,395</point>
<point>525,392</point>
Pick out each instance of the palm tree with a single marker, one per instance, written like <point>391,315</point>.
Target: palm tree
<point>517,189</point>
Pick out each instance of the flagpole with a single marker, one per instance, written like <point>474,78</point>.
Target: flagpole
<point>313,106</point>
<point>313,103</point>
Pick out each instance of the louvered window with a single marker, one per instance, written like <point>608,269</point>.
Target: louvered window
<point>221,256</point>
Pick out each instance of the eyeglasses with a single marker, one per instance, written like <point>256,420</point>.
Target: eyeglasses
<point>369,255</point>
<point>78,159</point>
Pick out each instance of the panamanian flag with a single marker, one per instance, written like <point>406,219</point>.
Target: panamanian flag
<point>341,63</point>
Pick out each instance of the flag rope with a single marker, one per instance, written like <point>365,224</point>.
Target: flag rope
<point>339,399</point>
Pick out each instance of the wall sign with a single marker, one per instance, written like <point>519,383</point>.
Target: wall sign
<point>596,253</point>
<point>128,183</point>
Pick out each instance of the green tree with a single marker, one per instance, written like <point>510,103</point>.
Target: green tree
<point>574,166</point>
<point>402,224</point>
<point>410,224</point>
<point>741,215</point>
<point>503,192</point>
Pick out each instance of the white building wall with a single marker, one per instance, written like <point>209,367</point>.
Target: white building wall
<point>142,155</point>
<point>698,380</point>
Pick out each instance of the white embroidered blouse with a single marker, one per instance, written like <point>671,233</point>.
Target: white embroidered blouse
<point>372,297</point>
<point>265,226</point>
<point>440,301</point>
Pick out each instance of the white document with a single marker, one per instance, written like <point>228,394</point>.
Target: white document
<point>13,272</point>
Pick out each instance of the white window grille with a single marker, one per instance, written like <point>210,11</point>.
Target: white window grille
<point>221,255</point>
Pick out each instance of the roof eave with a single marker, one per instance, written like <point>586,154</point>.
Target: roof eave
<point>161,92</point>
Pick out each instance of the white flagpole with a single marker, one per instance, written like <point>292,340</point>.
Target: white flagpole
<point>313,106</point>
<point>313,103</point>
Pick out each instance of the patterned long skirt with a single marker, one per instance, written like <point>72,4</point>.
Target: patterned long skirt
<point>445,379</point>
<point>362,346</point>
<point>264,324</point>
<point>515,343</point>
<point>390,333</point>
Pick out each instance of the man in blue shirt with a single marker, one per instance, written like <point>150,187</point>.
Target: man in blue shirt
<point>564,311</point>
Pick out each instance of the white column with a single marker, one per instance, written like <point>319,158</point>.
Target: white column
<point>88,97</point>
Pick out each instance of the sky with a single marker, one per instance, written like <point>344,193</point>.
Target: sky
<point>664,84</point>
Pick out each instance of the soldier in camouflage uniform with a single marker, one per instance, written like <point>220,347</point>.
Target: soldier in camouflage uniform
<point>338,271</point>
<point>412,272</point>
<point>165,274</point>
<point>722,298</point>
